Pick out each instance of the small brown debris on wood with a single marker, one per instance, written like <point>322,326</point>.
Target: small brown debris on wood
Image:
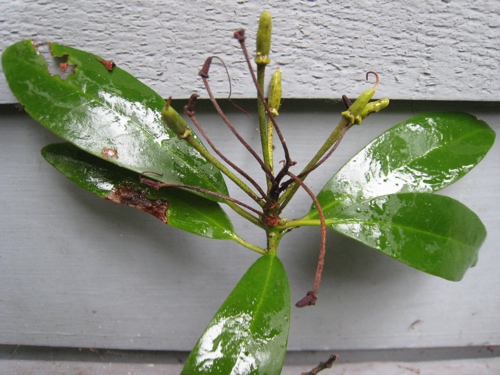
<point>415,323</point>
<point>415,370</point>
<point>322,365</point>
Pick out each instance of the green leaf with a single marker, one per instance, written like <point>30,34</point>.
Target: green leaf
<point>104,111</point>
<point>433,233</point>
<point>173,206</point>
<point>249,333</point>
<point>366,199</point>
<point>423,154</point>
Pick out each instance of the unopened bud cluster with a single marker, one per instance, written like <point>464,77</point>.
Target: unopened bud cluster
<point>362,107</point>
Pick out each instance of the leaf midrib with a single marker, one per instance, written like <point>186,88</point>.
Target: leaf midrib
<point>264,291</point>
<point>397,225</point>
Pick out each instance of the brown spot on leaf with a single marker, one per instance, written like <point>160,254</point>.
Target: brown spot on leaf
<point>131,196</point>
<point>109,153</point>
<point>108,64</point>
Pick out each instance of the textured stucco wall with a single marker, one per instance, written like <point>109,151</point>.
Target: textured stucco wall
<point>430,50</point>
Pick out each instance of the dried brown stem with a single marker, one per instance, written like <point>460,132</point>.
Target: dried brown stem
<point>377,78</point>
<point>204,75</point>
<point>312,295</point>
<point>346,101</point>
<point>157,185</point>
<point>206,67</point>
<point>322,365</point>
<point>189,110</point>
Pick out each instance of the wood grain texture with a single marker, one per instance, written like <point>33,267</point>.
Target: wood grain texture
<point>432,50</point>
<point>77,271</point>
<point>455,367</point>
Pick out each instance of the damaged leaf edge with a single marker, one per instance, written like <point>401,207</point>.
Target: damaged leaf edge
<point>62,66</point>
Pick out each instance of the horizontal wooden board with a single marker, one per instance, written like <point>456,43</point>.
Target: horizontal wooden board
<point>77,271</point>
<point>450,367</point>
<point>444,361</point>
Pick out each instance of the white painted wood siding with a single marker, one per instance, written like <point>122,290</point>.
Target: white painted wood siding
<point>76,271</point>
<point>426,50</point>
<point>79,271</point>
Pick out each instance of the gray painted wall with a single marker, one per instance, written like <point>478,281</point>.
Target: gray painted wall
<point>79,271</point>
<point>76,271</point>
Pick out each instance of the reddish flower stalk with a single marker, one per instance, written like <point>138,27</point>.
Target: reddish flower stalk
<point>312,295</point>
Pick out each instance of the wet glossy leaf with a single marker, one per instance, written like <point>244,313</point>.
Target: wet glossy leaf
<point>430,232</point>
<point>249,333</point>
<point>173,206</point>
<point>423,154</point>
<point>103,110</point>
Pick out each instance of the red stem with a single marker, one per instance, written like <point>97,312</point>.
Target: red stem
<point>312,295</point>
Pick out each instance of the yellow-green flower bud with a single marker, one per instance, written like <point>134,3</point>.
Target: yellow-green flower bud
<point>264,39</point>
<point>374,107</point>
<point>173,120</point>
<point>274,100</point>
<point>354,113</point>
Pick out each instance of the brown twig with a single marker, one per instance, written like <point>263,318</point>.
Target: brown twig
<point>157,185</point>
<point>322,365</point>
<point>312,295</point>
<point>346,101</point>
<point>189,110</point>
<point>206,67</point>
<point>203,73</point>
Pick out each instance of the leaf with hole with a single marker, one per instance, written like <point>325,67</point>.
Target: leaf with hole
<point>103,110</point>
